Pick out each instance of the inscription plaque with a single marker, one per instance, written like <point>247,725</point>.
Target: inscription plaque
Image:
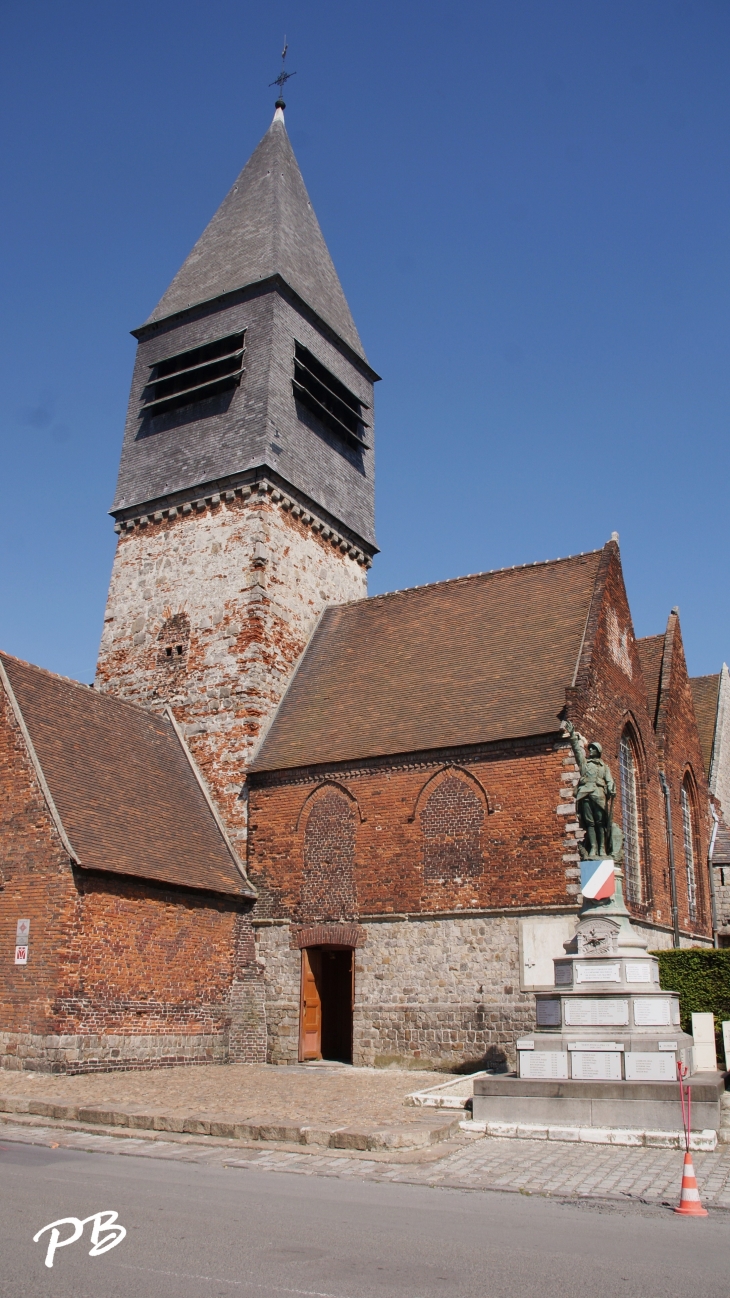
<point>647,1066</point>
<point>563,974</point>
<point>594,1065</point>
<point>598,973</point>
<point>544,1063</point>
<point>597,1013</point>
<point>652,1012</point>
<point>548,1014</point>
<point>638,973</point>
<point>595,1045</point>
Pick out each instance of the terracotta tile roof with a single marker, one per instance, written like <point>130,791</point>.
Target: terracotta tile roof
<point>721,851</point>
<point>461,662</point>
<point>124,789</point>
<point>705,690</point>
<point>651,650</point>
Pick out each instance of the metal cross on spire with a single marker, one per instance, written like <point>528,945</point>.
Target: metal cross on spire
<point>282,78</point>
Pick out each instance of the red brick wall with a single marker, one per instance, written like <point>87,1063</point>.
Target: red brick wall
<point>610,694</point>
<point>493,818</point>
<point>488,837</point>
<point>108,955</point>
<point>681,756</point>
<point>35,883</point>
<point>143,959</point>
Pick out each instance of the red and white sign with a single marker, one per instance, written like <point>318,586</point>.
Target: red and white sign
<point>21,955</point>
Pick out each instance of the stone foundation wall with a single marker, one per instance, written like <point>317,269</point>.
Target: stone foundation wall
<point>80,1053</point>
<point>426,991</point>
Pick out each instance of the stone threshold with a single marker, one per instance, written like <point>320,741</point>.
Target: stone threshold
<point>705,1141</point>
<point>365,1137</point>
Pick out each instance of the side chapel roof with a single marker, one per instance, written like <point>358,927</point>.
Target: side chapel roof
<point>705,692</point>
<point>123,785</point>
<point>265,226</point>
<point>461,662</point>
<point>650,649</point>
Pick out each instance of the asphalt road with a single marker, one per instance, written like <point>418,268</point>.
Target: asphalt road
<point>200,1231</point>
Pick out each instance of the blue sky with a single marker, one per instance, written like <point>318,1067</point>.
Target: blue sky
<point>528,208</point>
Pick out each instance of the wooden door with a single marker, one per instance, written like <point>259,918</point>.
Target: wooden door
<point>310,1011</point>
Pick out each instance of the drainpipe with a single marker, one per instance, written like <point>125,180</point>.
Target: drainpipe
<point>713,897</point>
<point>672,871</point>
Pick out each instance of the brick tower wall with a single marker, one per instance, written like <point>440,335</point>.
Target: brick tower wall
<point>210,606</point>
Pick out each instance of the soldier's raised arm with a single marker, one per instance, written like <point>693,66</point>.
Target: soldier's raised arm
<point>576,745</point>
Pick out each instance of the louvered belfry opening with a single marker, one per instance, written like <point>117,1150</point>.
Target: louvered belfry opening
<point>326,397</point>
<point>194,375</point>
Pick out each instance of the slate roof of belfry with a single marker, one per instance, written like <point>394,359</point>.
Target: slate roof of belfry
<point>122,785</point>
<point>265,226</point>
<point>462,662</point>
<point>704,694</point>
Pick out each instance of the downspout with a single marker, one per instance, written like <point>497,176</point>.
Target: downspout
<point>710,854</point>
<point>672,871</point>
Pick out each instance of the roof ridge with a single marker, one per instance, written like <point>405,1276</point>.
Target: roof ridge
<point>471,576</point>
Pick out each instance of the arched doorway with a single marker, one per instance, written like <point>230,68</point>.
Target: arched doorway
<point>325,1015</point>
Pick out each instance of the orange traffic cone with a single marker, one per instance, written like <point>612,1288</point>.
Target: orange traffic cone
<point>689,1201</point>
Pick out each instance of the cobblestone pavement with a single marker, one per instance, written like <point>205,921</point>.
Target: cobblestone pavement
<point>309,1094</point>
<point>562,1171</point>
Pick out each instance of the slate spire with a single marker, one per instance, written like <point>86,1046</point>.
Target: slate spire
<point>265,226</point>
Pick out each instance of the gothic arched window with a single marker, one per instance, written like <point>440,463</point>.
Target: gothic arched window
<point>451,821</point>
<point>688,831</point>
<point>631,816</point>
<point>328,881</point>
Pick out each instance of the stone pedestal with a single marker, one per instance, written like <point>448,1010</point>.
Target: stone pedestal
<point>607,1019</point>
<point>607,1043</point>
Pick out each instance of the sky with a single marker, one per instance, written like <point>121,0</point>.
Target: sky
<point>527,205</point>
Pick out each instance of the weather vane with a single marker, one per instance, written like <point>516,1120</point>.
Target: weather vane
<point>282,78</point>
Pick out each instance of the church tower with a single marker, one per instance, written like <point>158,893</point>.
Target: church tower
<point>244,503</point>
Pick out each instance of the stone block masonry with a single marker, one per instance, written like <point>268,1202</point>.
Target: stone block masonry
<point>427,991</point>
<point>209,609</point>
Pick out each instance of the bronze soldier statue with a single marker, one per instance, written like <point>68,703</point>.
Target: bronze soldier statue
<point>594,797</point>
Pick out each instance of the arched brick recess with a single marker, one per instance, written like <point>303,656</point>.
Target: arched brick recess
<point>327,935</point>
<point>451,823</point>
<point>328,883</point>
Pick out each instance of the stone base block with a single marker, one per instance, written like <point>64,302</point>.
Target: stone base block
<point>642,1106</point>
<point>699,1141</point>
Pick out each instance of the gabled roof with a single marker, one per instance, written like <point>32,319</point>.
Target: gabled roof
<point>123,786</point>
<point>705,692</point>
<point>651,652</point>
<point>265,226</point>
<point>462,662</point>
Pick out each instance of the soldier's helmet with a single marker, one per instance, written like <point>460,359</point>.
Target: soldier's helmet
<point>595,747</point>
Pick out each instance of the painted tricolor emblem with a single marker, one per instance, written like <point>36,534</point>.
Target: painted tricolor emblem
<point>597,879</point>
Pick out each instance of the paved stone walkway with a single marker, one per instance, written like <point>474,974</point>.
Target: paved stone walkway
<point>319,1095</point>
<point>562,1171</point>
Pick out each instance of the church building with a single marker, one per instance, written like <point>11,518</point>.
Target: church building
<point>289,821</point>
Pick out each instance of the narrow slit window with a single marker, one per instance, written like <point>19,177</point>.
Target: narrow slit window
<point>631,818</point>
<point>689,848</point>
<point>328,398</point>
<point>194,375</point>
